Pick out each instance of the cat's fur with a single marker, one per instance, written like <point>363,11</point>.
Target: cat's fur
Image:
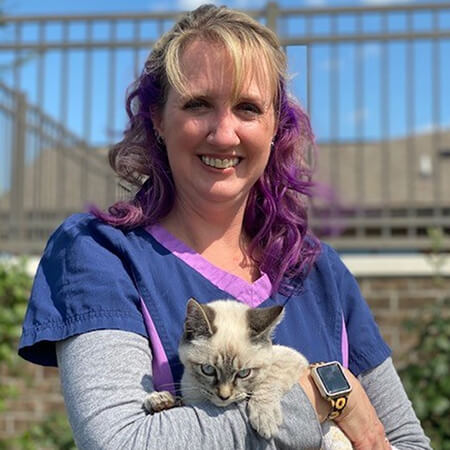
<point>228,356</point>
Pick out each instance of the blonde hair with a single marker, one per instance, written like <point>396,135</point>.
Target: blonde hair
<point>246,41</point>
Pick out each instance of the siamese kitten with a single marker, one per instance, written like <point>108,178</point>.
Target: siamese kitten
<point>228,356</point>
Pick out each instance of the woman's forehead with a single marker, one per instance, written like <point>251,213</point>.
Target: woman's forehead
<point>208,67</point>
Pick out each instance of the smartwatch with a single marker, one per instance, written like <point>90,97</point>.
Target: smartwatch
<point>333,385</point>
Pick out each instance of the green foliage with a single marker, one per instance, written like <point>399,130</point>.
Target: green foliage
<point>15,286</point>
<point>54,432</point>
<point>427,378</point>
<point>435,256</point>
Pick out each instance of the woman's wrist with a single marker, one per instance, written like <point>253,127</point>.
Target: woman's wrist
<point>320,405</point>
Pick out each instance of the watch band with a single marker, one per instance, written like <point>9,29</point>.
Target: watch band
<point>337,402</point>
<point>337,406</point>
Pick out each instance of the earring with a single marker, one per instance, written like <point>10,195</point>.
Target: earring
<point>159,139</point>
<point>272,145</point>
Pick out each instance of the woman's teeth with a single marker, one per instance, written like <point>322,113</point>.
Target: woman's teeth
<point>220,163</point>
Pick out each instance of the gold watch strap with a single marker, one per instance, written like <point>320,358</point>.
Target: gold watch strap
<point>337,406</point>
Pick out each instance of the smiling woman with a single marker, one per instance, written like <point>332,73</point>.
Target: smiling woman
<point>216,147</point>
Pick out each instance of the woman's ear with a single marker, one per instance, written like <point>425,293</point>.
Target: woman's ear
<point>157,120</point>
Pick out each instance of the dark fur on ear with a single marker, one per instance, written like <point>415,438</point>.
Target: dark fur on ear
<point>199,321</point>
<point>262,323</point>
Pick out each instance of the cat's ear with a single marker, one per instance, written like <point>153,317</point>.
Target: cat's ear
<point>199,321</point>
<point>262,322</point>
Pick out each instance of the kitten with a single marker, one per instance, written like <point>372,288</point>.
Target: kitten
<point>228,356</point>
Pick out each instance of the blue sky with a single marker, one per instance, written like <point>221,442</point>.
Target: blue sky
<point>326,66</point>
<point>90,6</point>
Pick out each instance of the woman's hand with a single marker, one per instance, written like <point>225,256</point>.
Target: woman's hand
<point>358,421</point>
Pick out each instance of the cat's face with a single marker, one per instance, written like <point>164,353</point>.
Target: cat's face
<point>225,349</point>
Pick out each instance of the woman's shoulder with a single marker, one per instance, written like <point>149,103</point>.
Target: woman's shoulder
<point>329,261</point>
<point>87,231</point>
<point>83,224</point>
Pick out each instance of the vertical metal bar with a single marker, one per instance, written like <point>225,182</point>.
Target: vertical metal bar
<point>160,27</point>
<point>309,91</point>
<point>109,181</point>
<point>136,40</point>
<point>360,127</point>
<point>385,131</point>
<point>17,224</point>
<point>61,179</point>
<point>17,57</point>
<point>334,110</point>
<point>309,83</point>
<point>38,165</point>
<point>410,102</point>
<point>87,114</point>
<point>436,114</point>
<point>272,15</point>
<point>112,81</point>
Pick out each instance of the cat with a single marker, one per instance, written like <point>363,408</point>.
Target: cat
<point>228,357</point>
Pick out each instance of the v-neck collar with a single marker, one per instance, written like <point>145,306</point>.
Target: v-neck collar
<point>252,294</point>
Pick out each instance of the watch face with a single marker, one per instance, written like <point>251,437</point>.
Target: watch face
<point>333,379</point>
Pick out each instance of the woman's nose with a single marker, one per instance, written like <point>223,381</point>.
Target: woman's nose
<point>223,130</point>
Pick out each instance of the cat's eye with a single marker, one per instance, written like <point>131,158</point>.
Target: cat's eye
<point>208,370</point>
<point>244,373</point>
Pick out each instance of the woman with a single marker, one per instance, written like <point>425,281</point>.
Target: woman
<point>221,214</point>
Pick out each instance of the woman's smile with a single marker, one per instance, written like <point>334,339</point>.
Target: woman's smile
<point>220,162</point>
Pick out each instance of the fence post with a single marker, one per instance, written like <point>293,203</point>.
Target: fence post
<point>17,223</point>
<point>272,15</point>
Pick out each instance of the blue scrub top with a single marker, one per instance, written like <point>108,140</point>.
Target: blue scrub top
<point>93,276</point>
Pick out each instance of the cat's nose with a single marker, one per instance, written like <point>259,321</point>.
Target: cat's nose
<point>223,397</point>
<point>224,392</point>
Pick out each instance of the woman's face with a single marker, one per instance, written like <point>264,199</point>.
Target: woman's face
<point>217,147</point>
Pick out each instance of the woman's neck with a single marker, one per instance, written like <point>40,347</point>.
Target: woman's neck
<point>219,238</point>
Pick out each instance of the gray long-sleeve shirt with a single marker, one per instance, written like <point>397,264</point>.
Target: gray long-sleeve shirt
<point>106,375</point>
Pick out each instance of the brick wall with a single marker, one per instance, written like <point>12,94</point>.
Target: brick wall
<point>392,300</point>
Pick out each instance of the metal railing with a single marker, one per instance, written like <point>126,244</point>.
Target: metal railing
<point>47,174</point>
<point>391,182</point>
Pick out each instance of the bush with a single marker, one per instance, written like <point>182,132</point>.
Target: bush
<point>427,378</point>
<point>15,286</point>
<point>53,432</point>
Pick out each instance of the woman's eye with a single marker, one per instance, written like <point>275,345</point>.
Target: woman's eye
<point>249,108</point>
<point>195,104</point>
<point>244,373</point>
<point>208,370</point>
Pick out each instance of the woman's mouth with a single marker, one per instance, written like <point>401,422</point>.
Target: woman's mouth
<point>220,163</point>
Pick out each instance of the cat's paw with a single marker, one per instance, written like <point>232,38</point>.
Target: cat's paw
<point>264,418</point>
<point>334,438</point>
<point>159,401</point>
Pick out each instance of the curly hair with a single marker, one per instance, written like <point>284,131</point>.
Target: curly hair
<point>275,218</point>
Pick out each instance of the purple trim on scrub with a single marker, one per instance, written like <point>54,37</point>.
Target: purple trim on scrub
<point>251,294</point>
<point>162,375</point>
<point>344,344</point>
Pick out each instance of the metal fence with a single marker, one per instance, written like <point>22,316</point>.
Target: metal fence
<point>47,173</point>
<point>390,179</point>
